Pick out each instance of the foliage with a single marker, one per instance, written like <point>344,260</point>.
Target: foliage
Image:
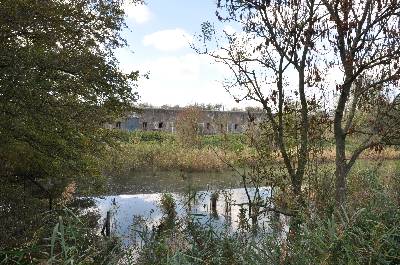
<point>20,217</point>
<point>68,239</point>
<point>366,232</point>
<point>168,204</point>
<point>234,142</point>
<point>59,83</point>
<point>190,242</point>
<point>162,151</point>
<point>151,136</point>
<point>164,156</point>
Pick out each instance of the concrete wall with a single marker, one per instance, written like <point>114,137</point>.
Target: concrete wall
<point>211,122</point>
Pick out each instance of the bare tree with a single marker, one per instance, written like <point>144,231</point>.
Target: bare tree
<point>272,62</point>
<point>365,37</point>
<point>285,50</point>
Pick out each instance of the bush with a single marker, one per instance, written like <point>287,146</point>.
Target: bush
<point>369,236</point>
<point>161,151</point>
<point>233,142</point>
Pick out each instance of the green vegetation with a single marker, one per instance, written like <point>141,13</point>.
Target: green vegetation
<point>65,237</point>
<point>367,232</point>
<point>280,57</point>
<point>160,151</point>
<point>59,84</point>
<point>334,181</point>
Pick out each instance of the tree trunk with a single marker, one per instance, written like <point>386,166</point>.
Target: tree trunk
<point>340,138</point>
<point>341,170</point>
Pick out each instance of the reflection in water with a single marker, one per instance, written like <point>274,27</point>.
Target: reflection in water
<point>151,182</point>
<point>134,214</point>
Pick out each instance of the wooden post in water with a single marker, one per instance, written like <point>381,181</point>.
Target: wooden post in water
<point>107,225</point>
<point>213,204</point>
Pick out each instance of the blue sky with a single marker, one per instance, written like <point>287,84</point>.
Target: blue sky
<point>158,37</point>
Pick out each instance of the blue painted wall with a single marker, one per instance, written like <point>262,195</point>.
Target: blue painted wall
<point>131,124</point>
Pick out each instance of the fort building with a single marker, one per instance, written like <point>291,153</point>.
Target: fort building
<point>209,122</point>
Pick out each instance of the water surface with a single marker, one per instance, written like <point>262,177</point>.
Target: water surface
<point>134,201</point>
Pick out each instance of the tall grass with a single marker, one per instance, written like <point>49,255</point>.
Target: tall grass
<point>161,151</point>
<point>366,231</point>
<point>65,238</point>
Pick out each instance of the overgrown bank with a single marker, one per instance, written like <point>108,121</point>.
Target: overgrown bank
<point>161,151</point>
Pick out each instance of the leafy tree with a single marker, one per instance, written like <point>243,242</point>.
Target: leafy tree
<point>59,83</point>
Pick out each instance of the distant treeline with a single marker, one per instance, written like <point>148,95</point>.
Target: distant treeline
<point>218,107</point>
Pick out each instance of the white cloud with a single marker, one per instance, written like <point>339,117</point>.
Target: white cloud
<point>168,40</point>
<point>229,29</point>
<point>182,80</point>
<point>170,67</point>
<point>138,12</point>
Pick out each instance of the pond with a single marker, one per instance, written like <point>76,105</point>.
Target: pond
<point>171,181</point>
<point>215,199</point>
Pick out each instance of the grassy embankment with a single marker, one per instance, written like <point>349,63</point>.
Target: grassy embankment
<point>160,151</point>
<point>163,151</point>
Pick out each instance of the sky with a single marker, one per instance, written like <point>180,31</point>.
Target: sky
<point>158,38</point>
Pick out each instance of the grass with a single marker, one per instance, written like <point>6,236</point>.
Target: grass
<point>66,236</point>
<point>366,232</point>
<point>161,151</point>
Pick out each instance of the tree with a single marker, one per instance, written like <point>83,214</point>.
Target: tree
<point>275,45</point>
<point>283,54</point>
<point>187,125</point>
<point>59,83</point>
<point>365,36</point>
